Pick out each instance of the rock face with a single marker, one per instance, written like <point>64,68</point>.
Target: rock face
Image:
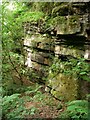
<point>69,37</point>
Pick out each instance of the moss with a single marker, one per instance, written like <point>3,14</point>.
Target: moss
<point>74,19</point>
<point>64,87</point>
<point>66,24</point>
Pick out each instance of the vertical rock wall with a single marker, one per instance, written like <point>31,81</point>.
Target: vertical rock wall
<point>71,38</point>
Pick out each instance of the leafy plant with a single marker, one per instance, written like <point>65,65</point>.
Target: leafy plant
<point>7,103</point>
<point>77,109</point>
<point>77,68</point>
<point>13,107</point>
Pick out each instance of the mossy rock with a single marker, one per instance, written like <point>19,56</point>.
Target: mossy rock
<point>64,87</point>
<point>62,9</point>
<point>65,24</point>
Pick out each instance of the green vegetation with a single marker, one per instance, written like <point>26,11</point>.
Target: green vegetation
<point>79,69</point>
<point>23,88</point>
<point>76,110</point>
<point>13,106</point>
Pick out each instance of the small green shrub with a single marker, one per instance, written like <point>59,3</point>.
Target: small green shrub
<point>9,103</point>
<point>77,109</point>
<point>77,68</point>
<point>13,106</point>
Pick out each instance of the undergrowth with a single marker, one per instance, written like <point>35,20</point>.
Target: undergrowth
<point>13,106</point>
<point>77,109</point>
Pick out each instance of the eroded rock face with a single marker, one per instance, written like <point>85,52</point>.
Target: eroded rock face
<point>72,18</point>
<point>69,25</point>
<point>87,55</point>
<point>39,50</point>
<point>28,62</point>
<point>66,39</point>
<point>61,50</point>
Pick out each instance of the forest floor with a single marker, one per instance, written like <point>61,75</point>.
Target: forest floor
<point>31,102</point>
<point>42,105</point>
<point>48,107</point>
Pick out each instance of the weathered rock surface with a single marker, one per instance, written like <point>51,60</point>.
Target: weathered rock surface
<point>68,35</point>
